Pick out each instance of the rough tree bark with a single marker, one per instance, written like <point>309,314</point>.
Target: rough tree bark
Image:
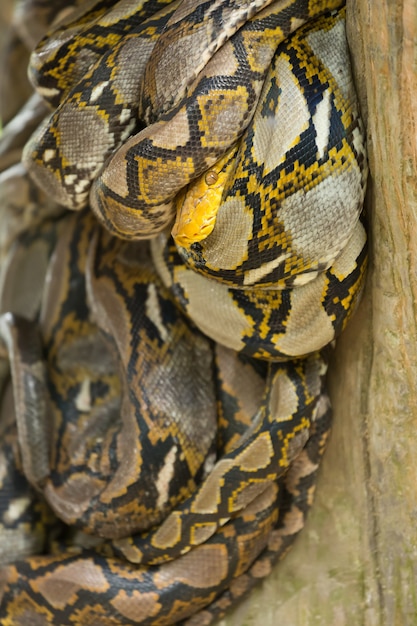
<point>356,561</point>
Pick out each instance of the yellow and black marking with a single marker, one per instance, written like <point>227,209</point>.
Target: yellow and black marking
<point>133,196</point>
<point>264,323</point>
<point>55,70</point>
<point>108,424</point>
<point>170,399</point>
<point>267,179</point>
<point>106,96</point>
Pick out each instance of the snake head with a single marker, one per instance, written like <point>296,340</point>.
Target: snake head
<point>197,205</point>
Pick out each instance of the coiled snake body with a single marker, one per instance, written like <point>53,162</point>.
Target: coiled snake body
<point>169,395</point>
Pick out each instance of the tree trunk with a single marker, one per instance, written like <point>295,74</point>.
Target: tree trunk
<point>356,561</point>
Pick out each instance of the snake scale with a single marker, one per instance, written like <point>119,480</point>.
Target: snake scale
<point>166,412</point>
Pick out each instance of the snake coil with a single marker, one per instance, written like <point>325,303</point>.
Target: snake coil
<point>167,409</point>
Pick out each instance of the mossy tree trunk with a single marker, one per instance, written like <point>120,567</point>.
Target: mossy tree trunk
<point>356,561</point>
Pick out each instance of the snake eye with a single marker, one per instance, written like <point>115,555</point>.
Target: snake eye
<point>211,178</point>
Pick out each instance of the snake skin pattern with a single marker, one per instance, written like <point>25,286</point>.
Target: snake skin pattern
<point>166,410</point>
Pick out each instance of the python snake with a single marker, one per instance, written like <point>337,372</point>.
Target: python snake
<point>169,408</point>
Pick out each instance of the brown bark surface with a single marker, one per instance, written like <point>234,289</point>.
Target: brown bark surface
<point>356,561</point>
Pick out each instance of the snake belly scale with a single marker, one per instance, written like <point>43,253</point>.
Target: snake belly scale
<point>167,410</point>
